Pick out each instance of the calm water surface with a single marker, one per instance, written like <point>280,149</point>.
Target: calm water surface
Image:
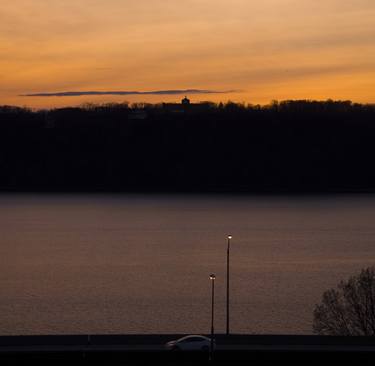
<point>140,263</point>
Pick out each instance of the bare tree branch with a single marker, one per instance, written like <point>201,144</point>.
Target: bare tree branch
<point>348,310</point>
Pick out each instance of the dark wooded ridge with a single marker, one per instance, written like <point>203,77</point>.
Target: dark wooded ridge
<point>291,146</point>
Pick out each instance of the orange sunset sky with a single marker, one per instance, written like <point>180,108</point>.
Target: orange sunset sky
<point>260,50</point>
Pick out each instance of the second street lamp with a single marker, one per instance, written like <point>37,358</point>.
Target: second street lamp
<point>212,278</point>
<point>228,250</point>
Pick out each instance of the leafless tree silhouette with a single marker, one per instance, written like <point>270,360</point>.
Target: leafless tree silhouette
<point>348,310</point>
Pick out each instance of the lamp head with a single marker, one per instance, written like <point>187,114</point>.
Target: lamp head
<point>212,277</point>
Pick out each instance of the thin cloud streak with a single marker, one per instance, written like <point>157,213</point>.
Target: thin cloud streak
<point>155,92</point>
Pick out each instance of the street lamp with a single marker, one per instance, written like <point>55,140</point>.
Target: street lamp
<point>212,278</point>
<point>228,249</point>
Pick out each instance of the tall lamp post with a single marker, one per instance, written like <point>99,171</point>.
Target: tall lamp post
<point>212,278</point>
<point>228,250</point>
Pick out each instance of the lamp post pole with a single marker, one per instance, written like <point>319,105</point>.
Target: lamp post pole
<point>228,250</point>
<point>212,278</point>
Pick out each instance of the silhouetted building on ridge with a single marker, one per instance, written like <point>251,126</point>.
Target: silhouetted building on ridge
<point>185,101</point>
<point>177,107</point>
<point>187,107</point>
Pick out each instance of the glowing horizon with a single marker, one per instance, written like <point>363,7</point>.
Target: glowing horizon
<point>259,51</point>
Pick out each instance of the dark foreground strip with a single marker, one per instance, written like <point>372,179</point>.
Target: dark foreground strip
<point>239,350</point>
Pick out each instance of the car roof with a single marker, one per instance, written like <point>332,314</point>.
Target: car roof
<point>192,336</point>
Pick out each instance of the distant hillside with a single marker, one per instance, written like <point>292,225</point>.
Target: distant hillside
<point>291,146</point>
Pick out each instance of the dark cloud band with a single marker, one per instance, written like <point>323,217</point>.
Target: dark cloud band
<point>155,92</point>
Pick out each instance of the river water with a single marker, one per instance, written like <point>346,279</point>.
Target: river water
<point>73,264</point>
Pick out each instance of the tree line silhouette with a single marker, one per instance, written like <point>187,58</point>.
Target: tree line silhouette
<point>290,146</point>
